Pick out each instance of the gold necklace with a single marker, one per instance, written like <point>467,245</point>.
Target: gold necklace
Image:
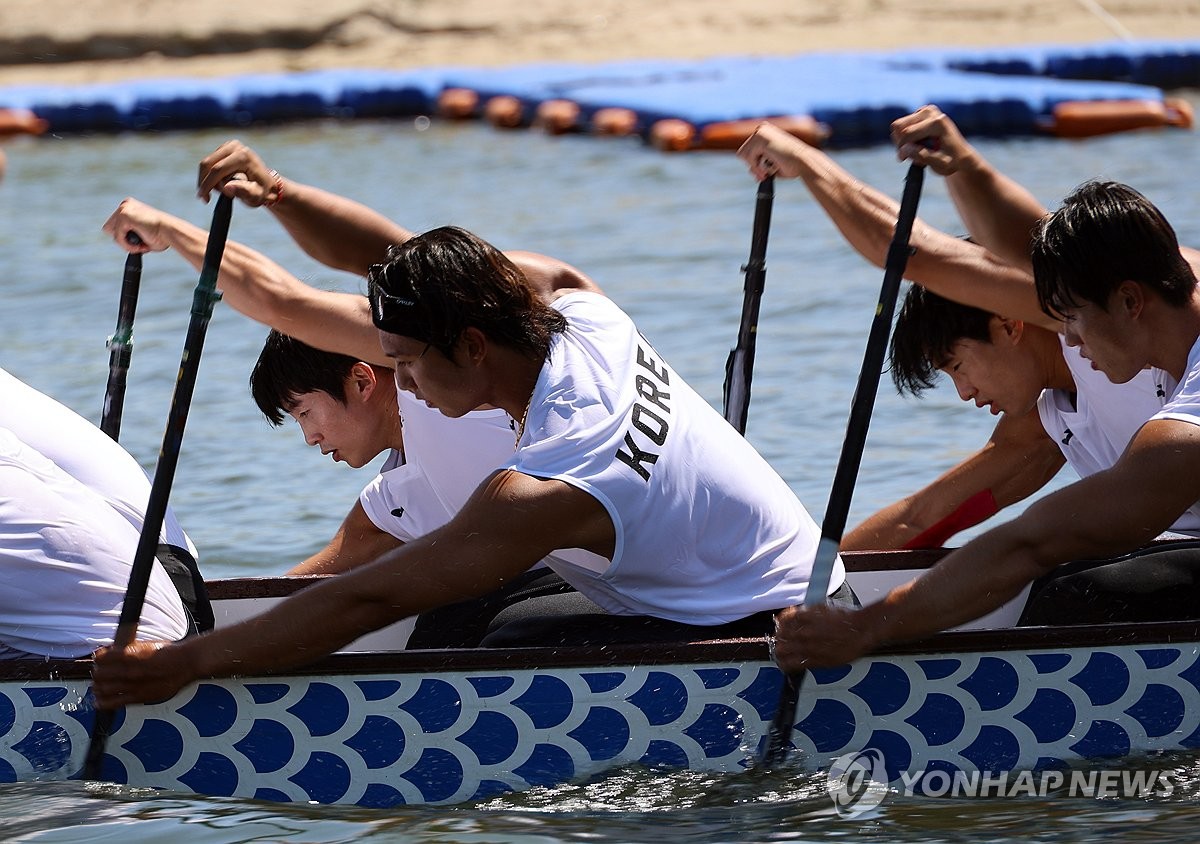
<point>520,428</point>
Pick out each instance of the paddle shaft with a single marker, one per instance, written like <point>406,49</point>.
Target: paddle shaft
<point>863,403</point>
<point>739,366</point>
<point>164,475</point>
<point>120,345</point>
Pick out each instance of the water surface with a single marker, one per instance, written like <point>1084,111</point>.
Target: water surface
<point>665,235</point>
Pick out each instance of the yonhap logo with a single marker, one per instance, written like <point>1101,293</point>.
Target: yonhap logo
<point>858,782</point>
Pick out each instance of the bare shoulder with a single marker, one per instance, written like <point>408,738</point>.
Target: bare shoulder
<point>510,488</point>
<point>550,276</point>
<point>1171,435</point>
<point>547,512</point>
<point>1163,461</point>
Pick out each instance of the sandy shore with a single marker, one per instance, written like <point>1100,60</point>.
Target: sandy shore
<point>74,41</point>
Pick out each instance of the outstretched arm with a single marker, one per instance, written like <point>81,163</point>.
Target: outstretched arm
<point>999,213</point>
<point>256,286</point>
<point>357,542</point>
<point>332,229</point>
<point>949,266</point>
<point>340,232</point>
<point>1017,461</point>
<point>510,523</point>
<point>1107,513</point>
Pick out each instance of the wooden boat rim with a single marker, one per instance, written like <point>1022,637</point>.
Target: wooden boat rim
<point>714,651</point>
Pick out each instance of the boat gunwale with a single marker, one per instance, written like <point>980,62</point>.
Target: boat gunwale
<point>686,653</point>
<point>754,649</point>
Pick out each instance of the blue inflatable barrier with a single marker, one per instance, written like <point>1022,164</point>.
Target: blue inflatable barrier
<point>857,94</point>
<point>165,104</point>
<point>386,93</point>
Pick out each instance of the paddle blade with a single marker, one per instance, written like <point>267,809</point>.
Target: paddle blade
<point>779,734</point>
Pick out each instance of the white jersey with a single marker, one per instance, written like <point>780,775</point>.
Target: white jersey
<point>65,557</point>
<point>706,531</point>
<point>444,461</point>
<point>1093,431</point>
<point>1096,431</point>
<point>1183,405</point>
<point>84,452</point>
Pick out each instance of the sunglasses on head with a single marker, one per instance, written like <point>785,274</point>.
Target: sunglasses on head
<point>388,308</point>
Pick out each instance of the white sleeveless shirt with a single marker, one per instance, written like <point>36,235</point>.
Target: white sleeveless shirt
<point>1183,405</point>
<point>1093,434</point>
<point>65,557</point>
<point>444,460</point>
<point>84,452</point>
<point>706,531</point>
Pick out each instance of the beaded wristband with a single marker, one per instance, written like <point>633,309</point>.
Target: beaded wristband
<point>276,193</point>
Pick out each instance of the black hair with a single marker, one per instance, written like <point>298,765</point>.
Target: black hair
<point>287,368</point>
<point>1106,233</point>
<point>446,280</point>
<point>926,331</point>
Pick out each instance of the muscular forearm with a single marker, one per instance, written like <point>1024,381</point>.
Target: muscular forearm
<point>285,636</point>
<point>998,212</point>
<point>310,624</point>
<point>336,231</point>
<point>257,287</point>
<point>964,586</point>
<point>964,272</point>
<point>889,528</point>
<point>865,217</point>
<point>357,542</point>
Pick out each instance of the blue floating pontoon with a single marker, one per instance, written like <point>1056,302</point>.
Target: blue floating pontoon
<point>990,91</point>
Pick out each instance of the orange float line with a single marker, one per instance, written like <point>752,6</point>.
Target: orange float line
<point>457,104</point>
<point>1104,117</point>
<point>675,135</point>
<point>672,135</point>
<point>557,117</point>
<point>505,112</point>
<point>615,121</point>
<point>20,121</point>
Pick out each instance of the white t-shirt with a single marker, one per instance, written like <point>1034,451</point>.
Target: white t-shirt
<point>706,531</point>
<point>65,557</point>
<point>444,461</point>
<point>84,452</point>
<point>1094,433</point>
<point>1183,405</point>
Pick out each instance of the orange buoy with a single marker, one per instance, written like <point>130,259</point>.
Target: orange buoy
<point>731,134</point>
<point>672,134</point>
<point>1103,117</point>
<point>557,117</point>
<point>458,103</point>
<point>1179,112</point>
<point>504,112</point>
<point>615,121</point>
<point>21,121</point>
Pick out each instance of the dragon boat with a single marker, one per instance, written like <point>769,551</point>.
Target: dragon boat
<point>378,726</point>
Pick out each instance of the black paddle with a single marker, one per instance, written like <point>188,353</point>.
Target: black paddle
<point>139,576</point>
<point>739,365</point>
<point>120,345</point>
<point>780,734</point>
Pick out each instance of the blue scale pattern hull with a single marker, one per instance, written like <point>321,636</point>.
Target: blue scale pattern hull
<point>390,736</point>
